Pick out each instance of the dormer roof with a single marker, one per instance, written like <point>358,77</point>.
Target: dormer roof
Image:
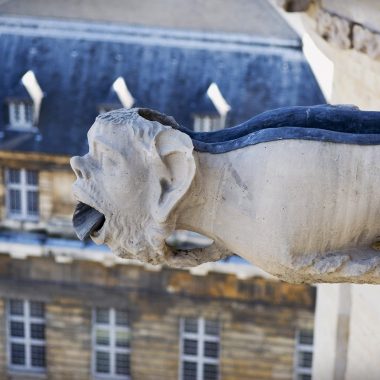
<point>27,90</point>
<point>212,102</point>
<point>111,101</point>
<point>34,90</point>
<point>118,96</point>
<point>77,64</point>
<point>18,93</point>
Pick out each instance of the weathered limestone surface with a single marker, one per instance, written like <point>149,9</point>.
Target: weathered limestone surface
<point>305,210</point>
<point>366,41</point>
<point>294,5</point>
<point>346,322</point>
<point>365,12</point>
<point>346,332</point>
<point>346,34</point>
<point>334,29</point>
<point>355,75</point>
<point>344,24</point>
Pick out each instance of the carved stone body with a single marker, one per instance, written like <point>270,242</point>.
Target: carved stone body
<point>304,205</point>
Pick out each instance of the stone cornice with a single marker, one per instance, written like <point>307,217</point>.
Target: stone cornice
<point>32,158</point>
<point>341,32</point>
<point>347,34</point>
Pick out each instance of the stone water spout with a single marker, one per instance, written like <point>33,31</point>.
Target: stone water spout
<point>295,191</point>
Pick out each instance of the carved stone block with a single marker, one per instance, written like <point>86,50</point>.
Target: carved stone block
<point>334,29</point>
<point>366,41</point>
<point>294,5</point>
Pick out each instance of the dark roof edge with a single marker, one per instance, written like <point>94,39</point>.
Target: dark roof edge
<point>127,33</point>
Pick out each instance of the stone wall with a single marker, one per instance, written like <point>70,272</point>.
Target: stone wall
<point>258,317</point>
<point>355,75</point>
<point>365,12</point>
<point>68,324</point>
<point>347,34</point>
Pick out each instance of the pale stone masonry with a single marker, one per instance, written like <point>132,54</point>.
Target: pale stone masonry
<point>258,317</point>
<point>54,183</point>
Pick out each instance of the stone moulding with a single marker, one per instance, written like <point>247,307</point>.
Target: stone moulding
<point>295,191</point>
<point>338,124</point>
<point>294,5</point>
<point>334,29</point>
<point>346,34</point>
<point>339,31</point>
<point>366,41</point>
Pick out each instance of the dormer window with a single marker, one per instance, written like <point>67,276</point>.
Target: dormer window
<point>24,103</point>
<point>208,123</point>
<point>21,114</point>
<point>212,111</point>
<point>118,96</point>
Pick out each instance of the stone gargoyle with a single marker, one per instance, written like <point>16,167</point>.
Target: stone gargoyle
<point>295,191</point>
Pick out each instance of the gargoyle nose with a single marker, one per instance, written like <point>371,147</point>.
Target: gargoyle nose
<point>78,165</point>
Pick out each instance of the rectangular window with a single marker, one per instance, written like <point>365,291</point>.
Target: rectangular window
<point>200,345</point>
<point>303,355</point>
<point>26,335</point>
<point>21,114</point>
<point>22,194</point>
<point>205,123</point>
<point>111,343</point>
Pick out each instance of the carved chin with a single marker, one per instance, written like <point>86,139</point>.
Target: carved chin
<point>132,239</point>
<point>128,238</point>
<point>144,255</point>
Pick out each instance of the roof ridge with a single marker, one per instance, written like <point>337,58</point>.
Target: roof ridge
<point>117,32</point>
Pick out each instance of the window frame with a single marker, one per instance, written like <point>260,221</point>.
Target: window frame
<point>201,337</point>
<point>208,123</point>
<point>112,328</point>
<point>27,340</point>
<point>301,348</point>
<point>23,187</point>
<point>21,121</point>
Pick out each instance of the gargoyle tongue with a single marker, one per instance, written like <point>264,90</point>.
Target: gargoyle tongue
<point>86,220</point>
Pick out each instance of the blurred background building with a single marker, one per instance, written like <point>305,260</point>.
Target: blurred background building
<point>70,309</point>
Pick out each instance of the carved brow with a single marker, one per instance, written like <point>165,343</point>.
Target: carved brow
<point>107,145</point>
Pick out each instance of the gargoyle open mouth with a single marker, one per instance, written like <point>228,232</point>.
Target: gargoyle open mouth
<point>87,220</point>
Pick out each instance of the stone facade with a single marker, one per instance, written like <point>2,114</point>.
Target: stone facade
<point>56,202</point>
<point>258,317</point>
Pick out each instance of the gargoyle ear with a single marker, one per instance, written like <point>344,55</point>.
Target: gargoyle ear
<point>174,171</point>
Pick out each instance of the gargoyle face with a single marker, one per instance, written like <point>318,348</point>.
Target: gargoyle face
<point>105,182</point>
<point>128,184</point>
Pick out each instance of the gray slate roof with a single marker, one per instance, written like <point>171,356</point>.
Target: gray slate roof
<point>75,64</point>
<point>253,17</point>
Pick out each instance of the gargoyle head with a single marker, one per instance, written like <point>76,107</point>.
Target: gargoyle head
<point>137,170</point>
